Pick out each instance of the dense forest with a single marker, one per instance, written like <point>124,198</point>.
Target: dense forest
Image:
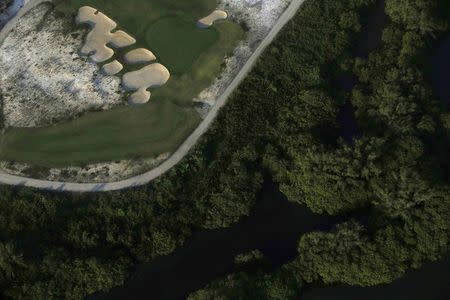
<point>282,124</point>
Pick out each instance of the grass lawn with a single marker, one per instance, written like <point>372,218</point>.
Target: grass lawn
<point>157,127</point>
<point>139,133</point>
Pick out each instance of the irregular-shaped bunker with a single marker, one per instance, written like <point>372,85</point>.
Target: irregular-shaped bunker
<point>154,75</point>
<point>100,35</point>
<point>112,68</point>
<point>211,18</point>
<point>140,55</point>
<point>141,96</point>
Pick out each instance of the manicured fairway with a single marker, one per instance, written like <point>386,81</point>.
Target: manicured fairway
<point>156,127</point>
<point>143,132</point>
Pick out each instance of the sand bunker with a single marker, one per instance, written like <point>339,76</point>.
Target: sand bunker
<point>154,75</point>
<point>140,97</point>
<point>43,79</point>
<point>112,68</point>
<point>140,55</point>
<point>100,35</point>
<point>213,17</point>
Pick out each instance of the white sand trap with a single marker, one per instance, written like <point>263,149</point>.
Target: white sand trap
<point>154,75</point>
<point>100,35</point>
<point>140,55</point>
<point>112,68</point>
<point>141,96</point>
<point>43,80</point>
<point>208,21</point>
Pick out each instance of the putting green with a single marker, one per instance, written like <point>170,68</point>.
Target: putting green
<point>191,42</point>
<point>136,16</point>
<point>157,127</point>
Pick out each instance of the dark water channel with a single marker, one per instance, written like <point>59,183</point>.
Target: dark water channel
<point>274,227</point>
<point>441,71</point>
<point>431,282</point>
<point>369,40</point>
<point>372,31</point>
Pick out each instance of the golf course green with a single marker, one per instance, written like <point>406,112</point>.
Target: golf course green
<point>192,42</point>
<point>194,58</point>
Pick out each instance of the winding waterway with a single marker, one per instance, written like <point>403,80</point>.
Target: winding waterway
<point>274,227</point>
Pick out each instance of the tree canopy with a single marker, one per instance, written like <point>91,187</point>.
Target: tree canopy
<point>281,123</point>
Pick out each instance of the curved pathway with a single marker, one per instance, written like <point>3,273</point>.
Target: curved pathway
<point>180,152</point>
<point>11,11</point>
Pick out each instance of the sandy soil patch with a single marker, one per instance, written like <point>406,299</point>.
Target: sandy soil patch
<point>100,172</point>
<point>101,35</point>
<point>48,81</point>
<point>112,68</point>
<point>140,55</point>
<point>209,20</point>
<point>154,75</point>
<point>259,16</point>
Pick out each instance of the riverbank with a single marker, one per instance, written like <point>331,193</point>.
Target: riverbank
<point>431,282</point>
